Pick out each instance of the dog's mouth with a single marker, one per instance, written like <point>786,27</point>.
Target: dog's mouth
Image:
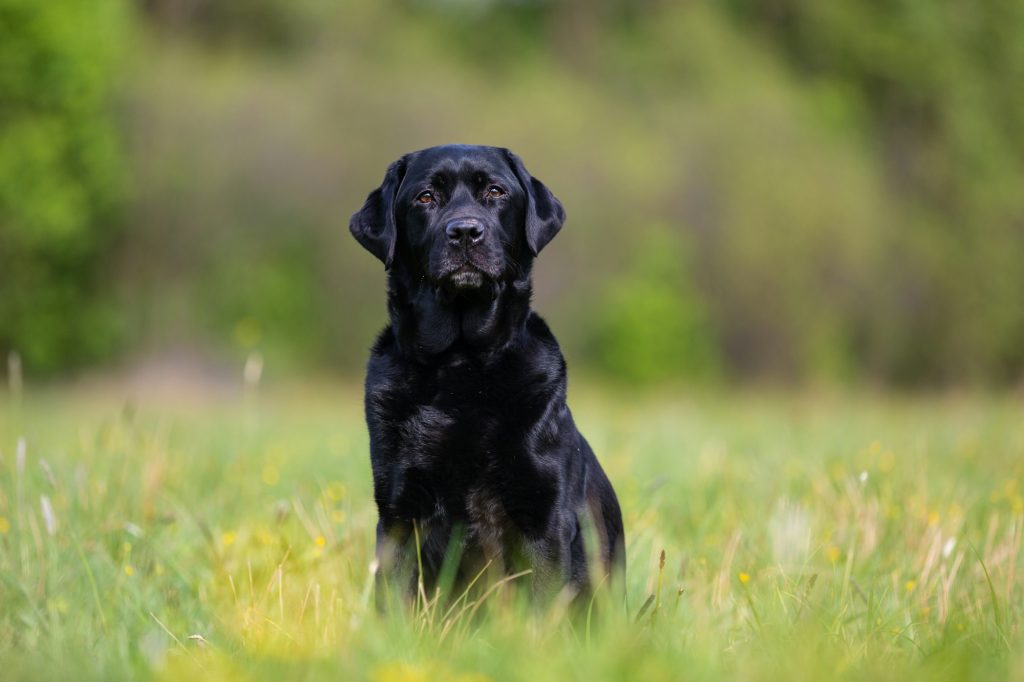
<point>465,271</point>
<point>466,268</point>
<point>465,276</point>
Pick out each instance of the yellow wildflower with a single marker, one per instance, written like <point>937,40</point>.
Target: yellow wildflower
<point>336,491</point>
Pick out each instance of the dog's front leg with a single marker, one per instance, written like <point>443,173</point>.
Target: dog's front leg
<point>394,561</point>
<point>559,562</point>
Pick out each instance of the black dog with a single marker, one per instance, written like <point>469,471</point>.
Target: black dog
<point>474,451</point>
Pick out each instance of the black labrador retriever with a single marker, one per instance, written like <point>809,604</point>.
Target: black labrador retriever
<point>475,454</point>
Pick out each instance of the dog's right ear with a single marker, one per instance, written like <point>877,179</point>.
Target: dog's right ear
<point>373,225</point>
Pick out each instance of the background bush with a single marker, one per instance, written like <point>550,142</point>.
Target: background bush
<point>788,191</point>
<point>62,177</point>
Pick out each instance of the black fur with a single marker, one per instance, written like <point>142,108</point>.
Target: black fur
<point>473,448</point>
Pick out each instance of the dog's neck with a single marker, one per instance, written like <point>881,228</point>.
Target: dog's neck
<point>429,321</point>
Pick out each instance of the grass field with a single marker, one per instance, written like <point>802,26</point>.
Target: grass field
<point>804,536</point>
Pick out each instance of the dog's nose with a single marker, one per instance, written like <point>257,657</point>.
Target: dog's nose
<point>464,230</point>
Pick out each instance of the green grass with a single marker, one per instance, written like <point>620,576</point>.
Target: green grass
<point>805,537</point>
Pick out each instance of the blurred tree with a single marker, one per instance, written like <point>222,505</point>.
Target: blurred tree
<point>61,177</point>
<point>940,86</point>
<point>837,183</point>
<point>650,323</point>
<point>262,24</point>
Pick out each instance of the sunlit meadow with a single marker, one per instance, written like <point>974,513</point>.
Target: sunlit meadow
<point>230,536</point>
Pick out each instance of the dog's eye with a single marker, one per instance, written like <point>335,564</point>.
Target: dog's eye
<point>495,192</point>
<point>425,197</point>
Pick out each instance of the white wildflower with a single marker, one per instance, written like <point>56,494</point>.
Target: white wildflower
<point>790,530</point>
<point>48,516</point>
<point>253,369</point>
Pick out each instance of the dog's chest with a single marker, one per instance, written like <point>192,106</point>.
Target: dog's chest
<point>462,441</point>
<point>463,459</point>
<point>459,417</point>
<point>467,444</point>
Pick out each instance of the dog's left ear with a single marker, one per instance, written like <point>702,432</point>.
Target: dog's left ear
<point>544,213</point>
<point>373,225</point>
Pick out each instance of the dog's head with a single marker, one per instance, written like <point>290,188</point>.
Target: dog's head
<point>459,216</point>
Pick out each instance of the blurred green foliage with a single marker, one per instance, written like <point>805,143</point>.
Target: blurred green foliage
<point>935,88</point>
<point>61,178</point>
<point>650,323</point>
<point>786,191</point>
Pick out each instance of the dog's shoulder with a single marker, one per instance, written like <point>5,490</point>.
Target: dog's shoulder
<point>384,374</point>
<point>541,350</point>
<point>539,329</point>
<point>385,342</point>
<point>383,357</point>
